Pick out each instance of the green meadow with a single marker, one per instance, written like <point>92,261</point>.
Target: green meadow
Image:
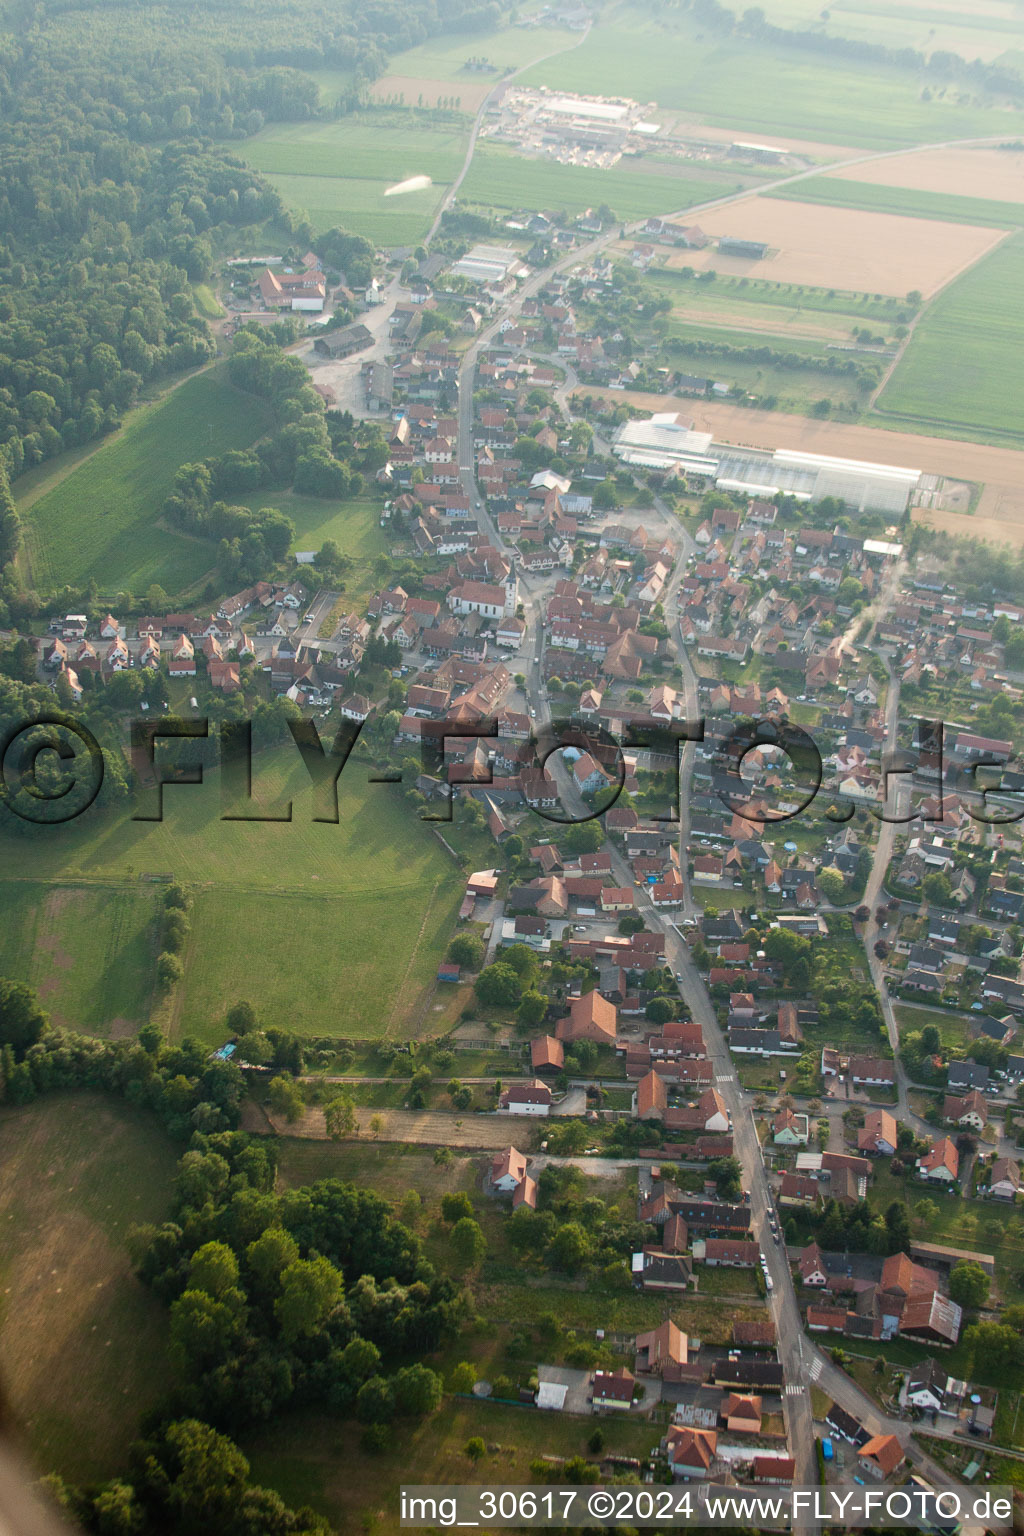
<point>983,29</point>
<point>89,950</point>
<point>962,373</point>
<point>331,929</point>
<point>338,172</point>
<point>102,521</point>
<point>444,58</point>
<point>353,525</point>
<point>501,178</point>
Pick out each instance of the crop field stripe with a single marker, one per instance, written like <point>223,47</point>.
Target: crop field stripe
<point>844,303</point>
<point>874,197</point>
<point>501,178</point>
<point>963,368</point>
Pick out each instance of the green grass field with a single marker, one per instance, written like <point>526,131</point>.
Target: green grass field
<point>444,58</point>
<point>206,302</point>
<point>963,370</point>
<point>338,172</point>
<point>795,389</point>
<point>360,207</point>
<point>778,309</point>
<point>353,525</point>
<point>82,947</point>
<point>380,147</point>
<point>951,209</point>
<point>317,1461</point>
<point>953,1028</point>
<point>82,1344</point>
<point>101,522</point>
<point>674,60</point>
<point>350,965</point>
<point>334,930</point>
<point>984,29</point>
<point>501,178</point>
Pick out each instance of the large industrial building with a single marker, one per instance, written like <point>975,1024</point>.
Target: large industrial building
<point>488,264</point>
<point>668,442</point>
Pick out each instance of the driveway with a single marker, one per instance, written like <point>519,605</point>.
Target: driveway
<point>574,1103</point>
<point>578,1383</point>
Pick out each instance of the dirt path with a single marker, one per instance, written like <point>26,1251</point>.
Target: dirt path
<point>410,1125</point>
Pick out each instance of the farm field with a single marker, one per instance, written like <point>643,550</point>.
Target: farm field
<point>445,58</point>
<point>338,172</point>
<point>825,247</point>
<point>963,368</point>
<point>337,928</point>
<point>101,521</point>
<point>982,30</point>
<point>872,197</point>
<point>90,951</point>
<point>82,1343</point>
<point>779,310</point>
<point>500,178</point>
<point>795,388</point>
<point>760,88</point>
<point>995,175</point>
<point>413,90</point>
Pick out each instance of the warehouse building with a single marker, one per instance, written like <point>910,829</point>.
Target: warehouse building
<point>488,264</point>
<point>668,442</point>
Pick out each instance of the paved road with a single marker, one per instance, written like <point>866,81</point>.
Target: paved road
<point>802,1361</point>
<point>499,86</point>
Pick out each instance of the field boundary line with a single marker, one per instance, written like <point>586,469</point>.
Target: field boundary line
<point>412,959</point>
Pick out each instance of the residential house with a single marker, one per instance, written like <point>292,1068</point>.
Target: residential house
<point>690,1452</point>
<point>741,1413</point>
<point>878,1136</point>
<point>528,1098</point>
<point>612,1389</point>
<point>881,1457</point>
<point>940,1164</point>
<point>1003,1179</point>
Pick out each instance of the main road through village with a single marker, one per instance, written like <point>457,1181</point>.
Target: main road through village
<point>804,1364</point>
